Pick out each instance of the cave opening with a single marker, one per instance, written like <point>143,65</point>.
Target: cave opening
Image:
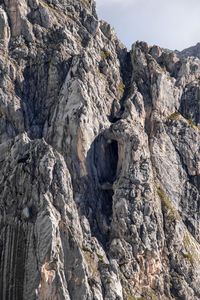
<point>102,166</point>
<point>106,160</point>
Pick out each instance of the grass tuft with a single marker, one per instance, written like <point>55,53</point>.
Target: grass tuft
<point>173,214</point>
<point>188,257</point>
<point>105,54</point>
<point>174,117</point>
<point>191,123</point>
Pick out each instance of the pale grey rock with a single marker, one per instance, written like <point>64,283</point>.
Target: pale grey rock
<point>191,51</point>
<point>100,160</point>
<point>4,29</point>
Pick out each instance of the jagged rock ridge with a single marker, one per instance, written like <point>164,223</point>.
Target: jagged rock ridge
<point>191,51</point>
<point>100,160</point>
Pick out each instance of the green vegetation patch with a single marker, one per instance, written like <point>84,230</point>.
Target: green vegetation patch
<point>163,69</point>
<point>150,295</point>
<point>105,54</point>
<point>85,249</point>
<point>130,297</point>
<point>53,10</point>
<point>174,117</point>
<point>186,240</point>
<point>85,2</point>
<point>188,257</point>
<point>100,257</point>
<point>191,124</point>
<point>121,89</point>
<point>192,247</point>
<point>173,214</point>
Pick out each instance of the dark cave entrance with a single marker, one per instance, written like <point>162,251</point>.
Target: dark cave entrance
<point>105,165</point>
<point>102,166</point>
<point>106,160</point>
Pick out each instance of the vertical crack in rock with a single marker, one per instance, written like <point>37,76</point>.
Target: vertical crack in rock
<point>102,162</point>
<point>106,160</point>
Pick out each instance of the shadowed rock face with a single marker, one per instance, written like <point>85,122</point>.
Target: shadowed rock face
<point>99,160</point>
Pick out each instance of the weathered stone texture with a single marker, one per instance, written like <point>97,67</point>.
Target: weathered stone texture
<point>99,160</point>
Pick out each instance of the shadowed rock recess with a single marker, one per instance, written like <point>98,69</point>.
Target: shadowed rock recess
<point>99,160</point>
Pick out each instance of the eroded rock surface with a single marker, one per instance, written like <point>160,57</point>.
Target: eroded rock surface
<point>100,160</point>
<point>191,51</point>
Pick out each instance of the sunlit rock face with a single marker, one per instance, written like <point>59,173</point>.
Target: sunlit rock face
<point>99,160</point>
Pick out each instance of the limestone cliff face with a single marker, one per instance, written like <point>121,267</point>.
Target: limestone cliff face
<point>100,160</point>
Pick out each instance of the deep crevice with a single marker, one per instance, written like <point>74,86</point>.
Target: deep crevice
<point>105,160</point>
<point>126,70</point>
<point>105,163</point>
<point>102,161</point>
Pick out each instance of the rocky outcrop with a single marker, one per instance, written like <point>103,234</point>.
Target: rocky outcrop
<point>191,51</point>
<point>100,160</point>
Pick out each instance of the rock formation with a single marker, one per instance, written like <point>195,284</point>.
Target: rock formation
<point>191,51</point>
<point>100,160</point>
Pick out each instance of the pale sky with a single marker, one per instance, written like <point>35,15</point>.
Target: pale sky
<point>173,24</point>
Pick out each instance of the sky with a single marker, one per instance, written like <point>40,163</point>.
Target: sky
<point>172,24</point>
